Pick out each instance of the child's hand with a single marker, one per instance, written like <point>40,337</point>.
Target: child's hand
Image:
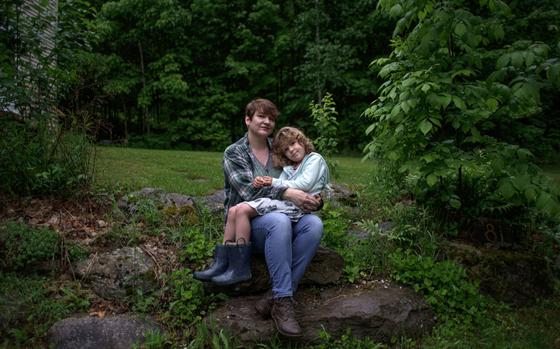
<point>262,181</point>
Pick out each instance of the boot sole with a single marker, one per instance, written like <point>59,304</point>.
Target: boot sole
<point>231,283</point>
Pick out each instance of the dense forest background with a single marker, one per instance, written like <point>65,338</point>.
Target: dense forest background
<point>176,73</point>
<point>179,73</point>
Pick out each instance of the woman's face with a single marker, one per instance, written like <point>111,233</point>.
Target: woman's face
<point>295,152</point>
<point>260,124</point>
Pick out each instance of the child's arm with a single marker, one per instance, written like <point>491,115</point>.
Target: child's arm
<point>310,172</point>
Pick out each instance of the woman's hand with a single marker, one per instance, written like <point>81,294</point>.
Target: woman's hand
<point>305,201</point>
<point>262,181</point>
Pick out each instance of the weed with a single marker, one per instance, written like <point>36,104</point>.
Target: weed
<point>346,341</point>
<point>145,211</point>
<point>30,305</point>
<point>207,335</point>
<point>154,340</point>
<point>444,285</point>
<point>23,247</point>
<point>335,228</point>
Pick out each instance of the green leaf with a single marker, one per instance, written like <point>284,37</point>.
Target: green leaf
<point>405,107</point>
<point>492,104</point>
<point>530,194</point>
<point>545,201</point>
<point>431,179</point>
<point>507,189</point>
<point>425,126</point>
<point>395,11</point>
<point>503,61</point>
<point>517,59</point>
<point>521,182</point>
<point>460,29</point>
<point>459,103</point>
<point>454,203</point>
<point>429,158</point>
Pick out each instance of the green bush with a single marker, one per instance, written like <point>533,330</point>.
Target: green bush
<point>443,283</point>
<point>186,298</point>
<point>30,305</point>
<point>335,228</point>
<point>34,159</point>
<point>326,126</point>
<point>22,247</point>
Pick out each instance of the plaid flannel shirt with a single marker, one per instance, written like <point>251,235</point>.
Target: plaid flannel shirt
<point>239,171</point>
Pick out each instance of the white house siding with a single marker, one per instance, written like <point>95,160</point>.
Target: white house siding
<point>40,17</point>
<point>37,26</point>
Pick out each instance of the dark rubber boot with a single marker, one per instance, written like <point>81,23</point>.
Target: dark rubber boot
<point>239,266</point>
<point>219,266</point>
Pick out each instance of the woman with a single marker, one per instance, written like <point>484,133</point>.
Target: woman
<point>288,246</point>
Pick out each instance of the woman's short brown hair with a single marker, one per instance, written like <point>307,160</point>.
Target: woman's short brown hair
<point>264,106</point>
<point>283,139</point>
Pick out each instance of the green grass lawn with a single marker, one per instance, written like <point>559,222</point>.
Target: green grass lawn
<point>189,172</point>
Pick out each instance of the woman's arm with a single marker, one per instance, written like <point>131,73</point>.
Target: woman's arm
<point>301,199</point>
<point>238,172</point>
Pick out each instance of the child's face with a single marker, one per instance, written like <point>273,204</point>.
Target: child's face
<point>295,152</point>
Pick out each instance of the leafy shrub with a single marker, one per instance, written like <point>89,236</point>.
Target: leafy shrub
<point>195,246</point>
<point>335,228</point>
<point>30,305</point>
<point>444,285</point>
<point>186,298</point>
<point>35,160</point>
<point>326,126</point>
<point>145,211</point>
<point>439,124</point>
<point>22,247</point>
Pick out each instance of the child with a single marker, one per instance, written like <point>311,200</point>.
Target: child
<point>302,169</point>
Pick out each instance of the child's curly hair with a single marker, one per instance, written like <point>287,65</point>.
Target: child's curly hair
<point>283,139</point>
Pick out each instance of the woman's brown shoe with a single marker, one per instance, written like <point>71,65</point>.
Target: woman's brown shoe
<point>284,317</point>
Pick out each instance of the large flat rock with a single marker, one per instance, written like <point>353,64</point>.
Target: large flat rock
<point>380,313</point>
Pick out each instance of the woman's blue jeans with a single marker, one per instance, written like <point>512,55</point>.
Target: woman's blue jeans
<point>288,247</point>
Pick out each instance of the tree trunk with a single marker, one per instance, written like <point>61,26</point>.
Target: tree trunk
<point>318,83</point>
<point>145,121</point>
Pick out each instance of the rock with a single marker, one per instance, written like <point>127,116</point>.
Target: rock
<point>343,195</point>
<point>517,278</point>
<point>214,202</point>
<point>361,233</point>
<point>111,274</point>
<point>325,268</point>
<point>176,200</point>
<point>378,313</point>
<point>110,332</point>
